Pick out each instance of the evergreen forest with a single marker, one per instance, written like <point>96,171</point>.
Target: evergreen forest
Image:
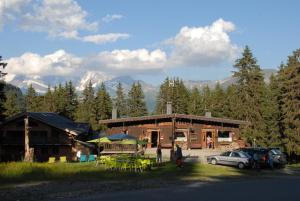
<point>273,108</point>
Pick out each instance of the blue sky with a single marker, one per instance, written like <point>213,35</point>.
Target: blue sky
<point>146,39</point>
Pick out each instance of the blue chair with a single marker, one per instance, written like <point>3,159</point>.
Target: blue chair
<point>83,158</point>
<point>91,158</point>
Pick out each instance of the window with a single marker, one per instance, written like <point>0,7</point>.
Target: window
<point>227,153</point>
<point>224,136</point>
<point>180,136</point>
<point>235,154</point>
<point>193,137</point>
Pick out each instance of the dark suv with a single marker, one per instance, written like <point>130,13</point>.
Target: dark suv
<point>279,159</point>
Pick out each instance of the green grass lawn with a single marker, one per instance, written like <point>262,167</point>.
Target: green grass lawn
<point>296,165</point>
<point>18,172</point>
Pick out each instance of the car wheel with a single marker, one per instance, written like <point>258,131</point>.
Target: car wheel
<point>241,165</point>
<point>214,161</point>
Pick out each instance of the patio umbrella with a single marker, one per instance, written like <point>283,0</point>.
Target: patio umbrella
<point>142,142</point>
<point>129,141</point>
<point>100,140</point>
<point>121,136</point>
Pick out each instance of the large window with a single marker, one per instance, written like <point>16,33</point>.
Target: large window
<point>224,136</point>
<point>180,136</point>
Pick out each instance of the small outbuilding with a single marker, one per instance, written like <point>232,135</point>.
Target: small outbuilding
<point>49,135</point>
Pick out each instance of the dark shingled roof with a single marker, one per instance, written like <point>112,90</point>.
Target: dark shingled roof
<point>176,116</point>
<point>54,120</point>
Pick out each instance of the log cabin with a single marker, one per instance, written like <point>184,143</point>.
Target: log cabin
<point>188,131</point>
<point>50,135</point>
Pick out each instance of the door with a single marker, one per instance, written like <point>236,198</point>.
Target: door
<point>208,135</point>
<point>154,138</point>
<point>234,158</point>
<point>224,158</point>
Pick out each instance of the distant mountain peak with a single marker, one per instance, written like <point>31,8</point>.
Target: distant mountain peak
<point>95,77</point>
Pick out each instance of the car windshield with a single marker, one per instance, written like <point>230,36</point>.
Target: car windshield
<point>244,154</point>
<point>276,151</point>
<point>226,153</point>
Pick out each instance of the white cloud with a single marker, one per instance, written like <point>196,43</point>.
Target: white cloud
<point>11,8</point>
<point>107,63</point>
<point>59,63</point>
<point>109,18</point>
<point>191,47</point>
<point>58,18</point>
<point>203,46</point>
<point>129,61</point>
<point>105,38</point>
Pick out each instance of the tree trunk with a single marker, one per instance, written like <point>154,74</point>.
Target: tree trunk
<point>28,153</point>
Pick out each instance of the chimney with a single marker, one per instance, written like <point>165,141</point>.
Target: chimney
<point>169,108</point>
<point>114,113</point>
<point>208,114</point>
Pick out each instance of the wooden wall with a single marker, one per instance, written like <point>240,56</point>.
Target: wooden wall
<point>194,131</point>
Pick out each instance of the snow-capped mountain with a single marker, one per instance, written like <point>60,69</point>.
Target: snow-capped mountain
<point>41,83</point>
<point>96,79</point>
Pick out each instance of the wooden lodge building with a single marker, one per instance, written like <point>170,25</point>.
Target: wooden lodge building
<point>50,135</point>
<point>189,131</point>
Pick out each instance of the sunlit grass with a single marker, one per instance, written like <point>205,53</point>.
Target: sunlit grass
<point>16,172</point>
<point>296,165</point>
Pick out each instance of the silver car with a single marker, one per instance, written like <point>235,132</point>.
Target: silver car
<point>239,159</point>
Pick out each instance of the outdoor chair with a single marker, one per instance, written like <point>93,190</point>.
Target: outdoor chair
<point>51,160</point>
<point>83,158</point>
<point>91,158</point>
<point>63,159</point>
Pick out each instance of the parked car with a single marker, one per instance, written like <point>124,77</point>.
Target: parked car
<point>279,159</point>
<point>239,159</point>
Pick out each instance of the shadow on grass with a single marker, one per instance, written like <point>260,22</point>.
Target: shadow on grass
<point>18,172</point>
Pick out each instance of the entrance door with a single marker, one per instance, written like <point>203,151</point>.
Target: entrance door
<point>208,135</point>
<point>154,138</point>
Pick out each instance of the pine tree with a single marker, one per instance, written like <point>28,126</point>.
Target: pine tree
<point>250,90</point>
<point>232,102</point>
<point>120,101</point>
<point>218,96</point>
<point>103,104</point>
<point>271,114</point>
<point>85,111</point>
<point>32,100</point>
<point>12,105</point>
<point>163,97</point>
<point>196,105</point>
<point>60,100</point>
<point>136,103</point>
<point>174,91</point>
<point>2,84</point>
<point>48,102</point>
<point>289,102</point>
<point>207,100</point>
<point>71,100</point>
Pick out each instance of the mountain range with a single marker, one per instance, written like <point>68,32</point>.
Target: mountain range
<point>41,83</point>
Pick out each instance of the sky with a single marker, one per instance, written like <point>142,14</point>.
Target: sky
<point>148,40</point>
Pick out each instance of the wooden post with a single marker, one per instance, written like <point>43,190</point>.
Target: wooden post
<point>172,152</point>
<point>28,155</point>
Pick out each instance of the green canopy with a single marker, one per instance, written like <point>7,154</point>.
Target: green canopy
<point>129,141</point>
<point>142,142</point>
<point>100,140</point>
<point>133,141</point>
